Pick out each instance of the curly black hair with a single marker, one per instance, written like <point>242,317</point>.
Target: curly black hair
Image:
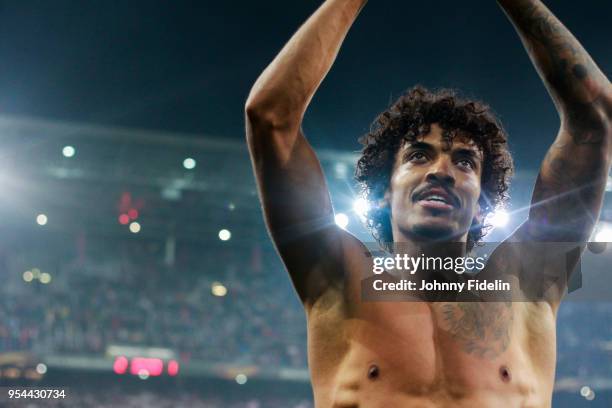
<point>409,118</point>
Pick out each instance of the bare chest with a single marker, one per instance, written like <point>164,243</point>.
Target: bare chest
<point>448,351</point>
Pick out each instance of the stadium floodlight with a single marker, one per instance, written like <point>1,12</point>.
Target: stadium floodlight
<point>189,163</point>
<point>225,235</point>
<point>361,206</point>
<point>135,227</point>
<point>41,219</point>
<point>604,234</point>
<point>241,379</point>
<point>499,218</point>
<point>41,368</point>
<point>28,276</point>
<point>341,220</point>
<point>68,151</point>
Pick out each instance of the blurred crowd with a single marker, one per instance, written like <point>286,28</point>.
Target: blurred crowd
<point>133,293</point>
<point>133,297</point>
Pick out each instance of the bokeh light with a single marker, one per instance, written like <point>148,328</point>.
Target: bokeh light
<point>41,219</point>
<point>189,163</point>
<point>45,278</point>
<point>218,289</point>
<point>135,227</point>
<point>120,365</point>
<point>225,235</point>
<point>68,151</point>
<point>28,276</point>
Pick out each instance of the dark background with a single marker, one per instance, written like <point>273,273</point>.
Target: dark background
<point>188,66</point>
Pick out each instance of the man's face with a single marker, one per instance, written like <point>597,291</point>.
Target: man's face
<point>435,187</point>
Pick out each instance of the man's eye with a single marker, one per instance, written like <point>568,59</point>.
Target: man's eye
<point>417,156</point>
<point>466,163</point>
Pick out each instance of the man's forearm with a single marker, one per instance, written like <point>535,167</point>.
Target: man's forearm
<point>287,85</point>
<point>572,78</point>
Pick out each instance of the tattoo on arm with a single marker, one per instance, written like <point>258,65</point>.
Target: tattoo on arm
<point>574,80</point>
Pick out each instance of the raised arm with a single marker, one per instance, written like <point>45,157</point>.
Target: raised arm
<point>291,185</point>
<point>570,186</point>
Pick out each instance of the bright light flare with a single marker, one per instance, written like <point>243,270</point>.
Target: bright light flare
<point>341,220</point>
<point>499,218</point>
<point>604,234</point>
<point>361,206</point>
<point>241,379</point>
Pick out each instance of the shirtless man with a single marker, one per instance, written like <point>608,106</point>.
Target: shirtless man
<point>446,172</point>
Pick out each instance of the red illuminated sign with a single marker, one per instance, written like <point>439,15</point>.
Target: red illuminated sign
<point>145,366</point>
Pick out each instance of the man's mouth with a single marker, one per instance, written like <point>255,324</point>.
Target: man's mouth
<point>437,199</point>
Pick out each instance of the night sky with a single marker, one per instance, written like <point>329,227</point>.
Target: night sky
<point>188,66</point>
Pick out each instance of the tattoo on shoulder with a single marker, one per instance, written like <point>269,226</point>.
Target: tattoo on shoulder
<point>482,329</point>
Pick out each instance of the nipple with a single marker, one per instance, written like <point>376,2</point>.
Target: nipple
<point>373,372</point>
<point>504,372</point>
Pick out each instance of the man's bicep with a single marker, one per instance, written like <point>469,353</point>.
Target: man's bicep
<point>569,189</point>
<point>298,210</point>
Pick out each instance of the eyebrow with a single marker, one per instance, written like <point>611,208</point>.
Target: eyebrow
<point>419,145</point>
<point>471,152</point>
<point>468,152</point>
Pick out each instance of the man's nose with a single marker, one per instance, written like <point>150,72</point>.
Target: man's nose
<point>441,171</point>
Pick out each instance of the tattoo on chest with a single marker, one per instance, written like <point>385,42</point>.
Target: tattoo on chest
<point>482,329</point>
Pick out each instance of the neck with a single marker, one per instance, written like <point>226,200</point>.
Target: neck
<point>416,246</point>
